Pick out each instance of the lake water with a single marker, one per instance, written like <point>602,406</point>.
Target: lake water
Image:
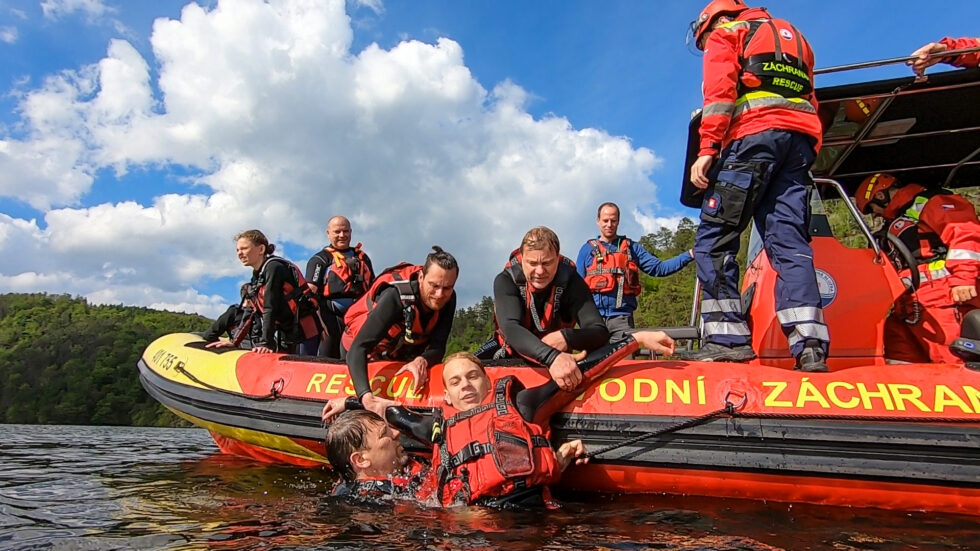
<point>100,488</point>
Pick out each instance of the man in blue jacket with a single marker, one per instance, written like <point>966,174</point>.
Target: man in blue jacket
<point>611,265</point>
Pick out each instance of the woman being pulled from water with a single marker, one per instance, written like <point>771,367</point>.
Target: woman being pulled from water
<point>490,445</point>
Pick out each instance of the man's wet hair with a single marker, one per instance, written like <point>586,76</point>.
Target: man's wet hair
<point>440,258</point>
<point>463,356</point>
<point>346,435</point>
<point>539,239</point>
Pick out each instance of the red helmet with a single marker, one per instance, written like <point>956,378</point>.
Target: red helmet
<point>711,12</point>
<point>872,186</point>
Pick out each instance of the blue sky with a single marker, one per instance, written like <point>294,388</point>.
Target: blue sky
<point>137,137</point>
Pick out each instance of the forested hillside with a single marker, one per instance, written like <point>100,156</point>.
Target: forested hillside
<point>64,361</point>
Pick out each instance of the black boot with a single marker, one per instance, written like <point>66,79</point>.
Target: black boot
<point>714,352</point>
<point>813,359</point>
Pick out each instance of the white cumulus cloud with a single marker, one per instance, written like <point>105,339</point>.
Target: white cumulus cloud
<point>273,122</point>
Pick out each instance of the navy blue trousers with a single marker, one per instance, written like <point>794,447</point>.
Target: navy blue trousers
<point>764,176</point>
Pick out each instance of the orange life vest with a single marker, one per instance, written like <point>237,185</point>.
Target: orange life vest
<point>767,66</point>
<point>300,299</point>
<point>343,276</point>
<point>491,451</point>
<point>613,271</point>
<point>544,322</point>
<point>410,331</point>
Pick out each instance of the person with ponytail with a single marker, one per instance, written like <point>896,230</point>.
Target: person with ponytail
<point>405,316</point>
<point>280,294</point>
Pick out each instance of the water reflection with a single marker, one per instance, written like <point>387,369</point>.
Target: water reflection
<point>134,488</point>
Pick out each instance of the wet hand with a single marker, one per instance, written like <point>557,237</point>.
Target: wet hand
<point>219,344</point>
<point>963,293</point>
<point>565,372</point>
<point>418,368</point>
<point>655,341</point>
<point>699,171</point>
<point>569,451</point>
<point>376,404</point>
<point>332,409</point>
<point>556,340</point>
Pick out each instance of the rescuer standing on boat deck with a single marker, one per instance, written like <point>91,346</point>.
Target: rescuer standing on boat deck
<point>611,265</point>
<point>941,232</point>
<point>759,136</point>
<point>966,60</point>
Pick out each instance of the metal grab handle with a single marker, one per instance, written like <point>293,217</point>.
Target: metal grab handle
<point>891,61</point>
<point>854,212</point>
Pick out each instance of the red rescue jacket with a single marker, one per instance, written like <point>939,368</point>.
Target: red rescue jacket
<point>491,451</point>
<point>409,331</point>
<point>344,276</point>
<point>300,299</point>
<point>962,60</point>
<point>539,323</point>
<point>613,271</point>
<point>758,75</point>
<point>942,232</point>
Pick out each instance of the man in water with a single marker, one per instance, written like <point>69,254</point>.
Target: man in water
<point>471,464</point>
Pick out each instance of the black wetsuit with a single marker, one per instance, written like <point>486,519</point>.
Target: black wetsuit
<point>231,322</point>
<point>387,312</point>
<point>575,306</point>
<point>276,313</point>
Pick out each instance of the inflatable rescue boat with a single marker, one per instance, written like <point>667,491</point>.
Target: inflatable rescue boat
<point>866,434</point>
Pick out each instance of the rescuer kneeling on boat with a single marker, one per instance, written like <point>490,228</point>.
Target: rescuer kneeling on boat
<point>538,299</point>
<point>940,231</point>
<point>490,446</point>
<point>759,136</point>
<point>406,316</point>
<point>611,265</point>
<point>287,306</point>
<point>338,274</point>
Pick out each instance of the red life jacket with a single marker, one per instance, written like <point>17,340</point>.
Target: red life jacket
<point>491,451</point>
<point>343,276</point>
<point>300,299</point>
<point>613,271</point>
<point>928,250</point>
<point>544,322</point>
<point>770,64</point>
<point>410,331</point>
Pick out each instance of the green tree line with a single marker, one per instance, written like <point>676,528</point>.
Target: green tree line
<point>64,361</point>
